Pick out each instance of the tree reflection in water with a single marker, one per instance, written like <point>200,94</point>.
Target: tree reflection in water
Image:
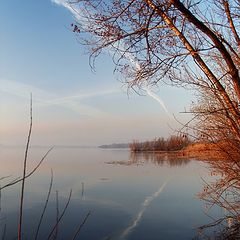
<point>224,192</point>
<point>139,158</point>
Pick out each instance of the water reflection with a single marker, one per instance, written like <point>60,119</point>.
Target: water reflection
<point>126,201</point>
<point>139,215</point>
<point>224,192</point>
<point>160,159</point>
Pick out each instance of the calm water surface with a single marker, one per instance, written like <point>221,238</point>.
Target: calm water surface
<point>129,197</point>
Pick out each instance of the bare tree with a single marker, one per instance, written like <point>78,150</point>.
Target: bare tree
<point>212,123</point>
<point>189,43</point>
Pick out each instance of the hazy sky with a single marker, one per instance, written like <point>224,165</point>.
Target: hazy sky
<point>71,105</point>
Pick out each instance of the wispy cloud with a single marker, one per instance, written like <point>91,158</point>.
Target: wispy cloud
<point>80,96</point>
<point>78,14</point>
<point>44,98</point>
<point>21,89</point>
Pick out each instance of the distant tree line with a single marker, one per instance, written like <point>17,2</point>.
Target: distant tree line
<point>173,143</point>
<point>115,145</point>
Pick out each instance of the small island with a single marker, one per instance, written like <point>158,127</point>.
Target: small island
<point>173,143</point>
<point>183,147</point>
<point>176,147</point>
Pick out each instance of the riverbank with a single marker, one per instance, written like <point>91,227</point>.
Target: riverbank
<point>202,151</point>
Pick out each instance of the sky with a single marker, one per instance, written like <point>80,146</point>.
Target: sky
<point>72,105</point>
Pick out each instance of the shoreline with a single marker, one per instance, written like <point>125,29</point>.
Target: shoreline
<point>199,151</point>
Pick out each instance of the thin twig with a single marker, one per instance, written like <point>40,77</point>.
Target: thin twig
<point>57,216</point>
<point>5,177</point>
<point>80,226</point>
<point>30,173</point>
<point>82,189</point>
<point>24,175</point>
<point>4,232</point>
<point>0,199</point>
<point>63,212</point>
<point>45,206</point>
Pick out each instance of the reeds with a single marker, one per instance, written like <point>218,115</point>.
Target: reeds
<point>53,234</point>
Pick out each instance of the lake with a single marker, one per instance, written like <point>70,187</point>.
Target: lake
<point>124,196</point>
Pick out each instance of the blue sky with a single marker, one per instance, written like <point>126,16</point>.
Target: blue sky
<point>72,105</point>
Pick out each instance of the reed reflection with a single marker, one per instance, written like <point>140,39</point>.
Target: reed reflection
<point>224,192</point>
<point>159,159</point>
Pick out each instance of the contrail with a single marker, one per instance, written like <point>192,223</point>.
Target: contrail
<point>44,98</point>
<point>157,98</point>
<point>137,66</point>
<point>145,204</point>
<point>65,99</point>
<point>78,14</point>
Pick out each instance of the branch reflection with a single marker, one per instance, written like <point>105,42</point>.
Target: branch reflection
<point>224,192</point>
